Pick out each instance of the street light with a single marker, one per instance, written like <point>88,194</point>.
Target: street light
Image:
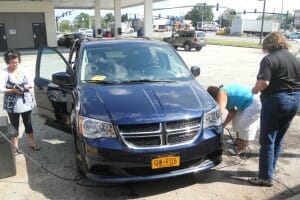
<point>262,21</point>
<point>82,20</point>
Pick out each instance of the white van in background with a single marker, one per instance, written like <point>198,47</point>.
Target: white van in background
<point>87,32</point>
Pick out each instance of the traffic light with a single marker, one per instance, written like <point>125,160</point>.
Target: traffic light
<point>217,7</point>
<point>244,12</point>
<point>159,16</point>
<point>255,10</point>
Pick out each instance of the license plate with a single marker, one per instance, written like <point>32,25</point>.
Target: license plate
<point>162,162</point>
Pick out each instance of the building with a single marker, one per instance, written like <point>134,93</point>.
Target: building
<point>28,25</point>
<point>31,23</point>
<point>160,25</point>
<point>297,19</point>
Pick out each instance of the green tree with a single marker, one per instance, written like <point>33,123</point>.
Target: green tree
<point>200,12</point>
<point>267,17</point>
<point>225,20</point>
<point>289,21</point>
<point>109,17</point>
<point>65,26</point>
<point>81,21</point>
<point>124,18</point>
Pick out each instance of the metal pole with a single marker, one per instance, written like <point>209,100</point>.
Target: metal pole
<point>202,19</point>
<point>262,23</point>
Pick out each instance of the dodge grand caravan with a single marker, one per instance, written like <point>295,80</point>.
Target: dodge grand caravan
<point>133,107</point>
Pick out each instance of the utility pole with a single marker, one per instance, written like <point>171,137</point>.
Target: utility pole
<point>262,22</point>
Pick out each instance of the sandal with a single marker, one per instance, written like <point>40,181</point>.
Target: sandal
<point>236,152</point>
<point>35,147</point>
<point>239,148</point>
<point>261,182</point>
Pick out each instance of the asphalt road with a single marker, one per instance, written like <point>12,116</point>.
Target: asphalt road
<point>219,65</point>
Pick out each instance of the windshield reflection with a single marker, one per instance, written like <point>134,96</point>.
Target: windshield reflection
<point>132,63</point>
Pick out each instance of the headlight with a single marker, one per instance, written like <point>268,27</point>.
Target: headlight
<point>212,118</point>
<point>92,128</point>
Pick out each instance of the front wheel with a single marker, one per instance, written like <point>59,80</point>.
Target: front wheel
<point>187,47</point>
<point>81,166</point>
<point>198,48</point>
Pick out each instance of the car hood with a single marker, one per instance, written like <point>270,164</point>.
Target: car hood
<point>144,103</point>
<point>166,39</point>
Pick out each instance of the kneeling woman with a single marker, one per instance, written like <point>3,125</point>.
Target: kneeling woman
<point>243,109</point>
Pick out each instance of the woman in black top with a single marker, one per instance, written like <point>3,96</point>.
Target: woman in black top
<point>278,81</point>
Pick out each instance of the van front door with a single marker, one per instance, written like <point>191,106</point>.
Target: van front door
<point>54,102</point>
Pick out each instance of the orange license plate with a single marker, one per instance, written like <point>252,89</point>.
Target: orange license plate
<point>162,162</point>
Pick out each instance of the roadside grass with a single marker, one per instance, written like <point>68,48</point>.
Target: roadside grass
<point>233,43</point>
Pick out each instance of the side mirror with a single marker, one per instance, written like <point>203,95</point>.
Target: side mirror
<point>62,78</point>
<point>195,70</point>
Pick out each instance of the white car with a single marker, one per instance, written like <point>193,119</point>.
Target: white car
<point>129,30</point>
<point>86,32</point>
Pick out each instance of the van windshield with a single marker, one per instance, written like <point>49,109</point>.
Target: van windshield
<point>134,62</point>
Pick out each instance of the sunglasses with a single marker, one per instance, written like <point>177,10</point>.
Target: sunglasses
<point>12,54</point>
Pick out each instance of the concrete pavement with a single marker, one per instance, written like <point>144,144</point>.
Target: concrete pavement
<point>219,65</point>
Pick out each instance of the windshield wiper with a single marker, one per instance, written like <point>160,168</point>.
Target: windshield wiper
<point>99,82</point>
<point>147,80</point>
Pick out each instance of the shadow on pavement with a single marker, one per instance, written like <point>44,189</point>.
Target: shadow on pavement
<point>57,156</point>
<point>291,193</point>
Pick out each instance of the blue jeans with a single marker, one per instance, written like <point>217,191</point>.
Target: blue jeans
<point>277,113</point>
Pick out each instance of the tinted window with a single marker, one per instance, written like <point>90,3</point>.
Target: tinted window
<point>186,34</point>
<point>120,62</point>
<point>200,34</point>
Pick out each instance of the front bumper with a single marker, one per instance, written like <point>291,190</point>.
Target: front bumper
<point>199,44</point>
<point>119,165</point>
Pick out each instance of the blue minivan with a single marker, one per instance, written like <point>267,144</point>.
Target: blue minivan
<point>133,107</point>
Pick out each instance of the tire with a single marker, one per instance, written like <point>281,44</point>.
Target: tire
<point>81,166</point>
<point>187,47</point>
<point>198,48</point>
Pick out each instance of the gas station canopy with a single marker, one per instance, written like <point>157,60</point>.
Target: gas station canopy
<point>88,4</point>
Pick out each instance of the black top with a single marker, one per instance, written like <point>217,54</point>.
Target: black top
<point>282,69</point>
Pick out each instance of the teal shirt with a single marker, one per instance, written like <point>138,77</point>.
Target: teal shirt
<point>238,96</point>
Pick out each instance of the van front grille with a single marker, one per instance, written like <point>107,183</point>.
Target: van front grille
<point>160,134</point>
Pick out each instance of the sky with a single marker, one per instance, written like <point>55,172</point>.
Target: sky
<point>277,6</point>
